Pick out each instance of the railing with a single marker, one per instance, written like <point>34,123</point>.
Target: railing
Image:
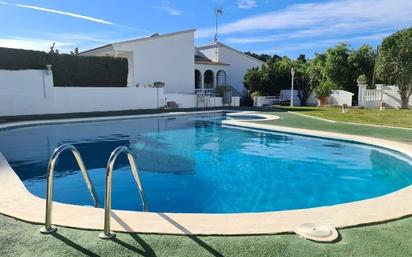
<point>48,228</point>
<point>235,92</point>
<point>106,234</point>
<point>373,95</point>
<point>205,91</point>
<point>211,91</point>
<point>203,97</point>
<point>267,100</point>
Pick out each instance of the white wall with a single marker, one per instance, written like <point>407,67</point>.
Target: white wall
<point>239,64</point>
<point>337,98</point>
<point>285,95</point>
<point>28,92</point>
<point>183,100</point>
<point>80,99</point>
<point>340,97</point>
<point>190,101</point>
<point>167,59</point>
<point>391,96</point>
<point>371,98</point>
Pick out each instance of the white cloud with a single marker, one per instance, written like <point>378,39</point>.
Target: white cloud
<point>35,44</point>
<point>322,43</point>
<point>167,6</point>
<point>65,42</point>
<point>316,17</point>
<point>69,14</point>
<point>246,4</point>
<point>74,15</point>
<point>332,30</point>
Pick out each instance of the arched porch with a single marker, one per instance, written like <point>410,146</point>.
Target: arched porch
<point>209,80</point>
<point>208,76</point>
<point>221,78</point>
<point>198,80</point>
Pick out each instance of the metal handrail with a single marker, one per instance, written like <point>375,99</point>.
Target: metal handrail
<point>106,234</point>
<point>48,228</point>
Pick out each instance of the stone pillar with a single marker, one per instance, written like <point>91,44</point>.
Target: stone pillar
<point>48,84</point>
<point>380,88</point>
<point>202,81</point>
<point>214,79</point>
<point>361,94</point>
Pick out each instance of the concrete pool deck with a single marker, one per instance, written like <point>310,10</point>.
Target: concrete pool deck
<point>17,202</point>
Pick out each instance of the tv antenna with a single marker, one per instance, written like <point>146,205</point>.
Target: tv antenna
<point>218,12</point>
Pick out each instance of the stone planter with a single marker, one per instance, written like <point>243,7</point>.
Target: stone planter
<point>323,100</point>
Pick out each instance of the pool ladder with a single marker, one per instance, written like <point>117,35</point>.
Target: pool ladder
<point>48,228</point>
<point>106,234</point>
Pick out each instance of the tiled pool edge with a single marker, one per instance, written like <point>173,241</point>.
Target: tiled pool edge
<point>16,201</point>
<point>18,124</point>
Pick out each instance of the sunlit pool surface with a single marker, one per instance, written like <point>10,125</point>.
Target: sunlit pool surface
<point>191,164</point>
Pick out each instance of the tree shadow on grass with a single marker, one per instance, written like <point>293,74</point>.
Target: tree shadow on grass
<point>74,245</point>
<point>146,251</point>
<point>194,238</point>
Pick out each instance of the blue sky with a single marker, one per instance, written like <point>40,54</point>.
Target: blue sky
<point>282,27</point>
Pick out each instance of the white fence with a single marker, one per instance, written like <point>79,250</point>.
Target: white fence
<point>337,98</point>
<point>29,92</point>
<point>372,98</point>
<point>340,97</point>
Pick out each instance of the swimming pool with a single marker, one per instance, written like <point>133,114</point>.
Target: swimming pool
<point>191,164</point>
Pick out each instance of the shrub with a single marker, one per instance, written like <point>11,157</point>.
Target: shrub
<point>69,70</point>
<point>362,79</point>
<point>256,94</point>
<point>324,89</point>
<point>395,63</point>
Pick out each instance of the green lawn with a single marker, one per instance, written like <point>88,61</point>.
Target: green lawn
<point>298,121</point>
<point>390,117</point>
<point>22,239</point>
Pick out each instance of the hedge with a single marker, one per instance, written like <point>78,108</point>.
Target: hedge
<point>69,70</point>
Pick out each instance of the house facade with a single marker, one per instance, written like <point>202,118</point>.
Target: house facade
<point>184,68</point>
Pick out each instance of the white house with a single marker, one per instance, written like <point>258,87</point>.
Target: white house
<point>174,59</point>
<point>233,64</point>
<point>190,75</point>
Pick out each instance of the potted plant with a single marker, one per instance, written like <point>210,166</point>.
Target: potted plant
<point>362,80</point>
<point>158,84</point>
<point>323,92</point>
<point>254,96</point>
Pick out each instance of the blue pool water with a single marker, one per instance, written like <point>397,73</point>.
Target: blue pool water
<point>191,164</point>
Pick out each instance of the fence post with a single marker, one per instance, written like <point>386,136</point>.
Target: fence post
<point>361,95</point>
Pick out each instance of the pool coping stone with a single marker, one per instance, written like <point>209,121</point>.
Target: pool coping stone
<point>16,201</point>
